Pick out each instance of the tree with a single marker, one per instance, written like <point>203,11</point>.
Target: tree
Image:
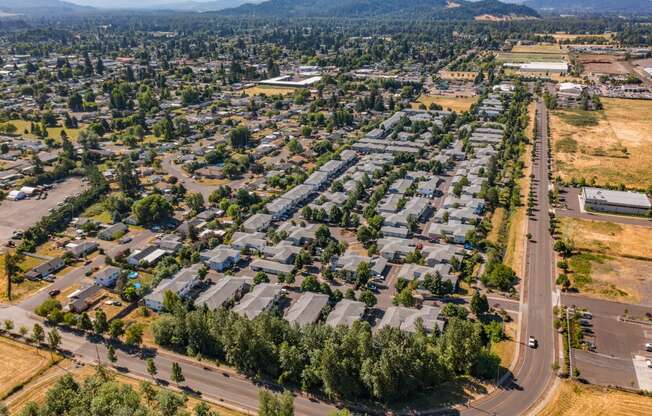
<point>11,268</point>
<point>151,368</point>
<point>8,324</point>
<point>38,335</point>
<point>404,297</point>
<point>116,328</point>
<point>310,284</point>
<point>169,403</point>
<point>500,276</point>
<point>239,136</point>
<point>152,209</point>
<point>134,335</point>
<point>127,177</point>
<point>195,201</point>
<point>479,304</point>
<point>176,374</point>
<point>368,298</point>
<point>460,345</point>
<point>54,340</point>
<point>85,323</point>
<point>101,325</point>
<point>111,355</point>
<point>275,405</point>
<point>202,409</point>
<point>362,274</point>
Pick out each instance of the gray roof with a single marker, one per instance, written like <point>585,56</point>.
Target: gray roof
<point>307,309</point>
<point>258,300</point>
<point>257,222</point>
<point>223,291</point>
<point>621,198</point>
<point>346,312</point>
<point>406,319</point>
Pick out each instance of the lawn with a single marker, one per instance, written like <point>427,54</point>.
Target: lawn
<point>458,104</point>
<point>24,288</point>
<point>25,363</point>
<point>610,146</point>
<point>575,399</point>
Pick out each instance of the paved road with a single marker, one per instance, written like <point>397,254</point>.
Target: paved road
<point>570,200</point>
<point>533,372</point>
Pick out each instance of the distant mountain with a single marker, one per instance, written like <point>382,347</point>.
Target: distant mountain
<point>592,6</point>
<point>421,9</point>
<point>199,6</point>
<point>41,7</point>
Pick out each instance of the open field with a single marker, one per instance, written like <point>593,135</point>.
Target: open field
<point>601,64</point>
<point>53,132</point>
<point>458,104</point>
<point>25,363</point>
<point>520,57</point>
<point>497,219</point>
<point>574,399</point>
<point>612,260</point>
<point>612,146</point>
<point>24,288</point>
<point>268,90</point>
<point>540,49</point>
<point>608,238</point>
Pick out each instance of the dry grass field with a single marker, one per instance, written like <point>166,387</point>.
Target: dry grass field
<point>24,288</point>
<point>268,90</point>
<point>543,48</point>
<point>562,36</point>
<point>507,348</point>
<point>613,260</point>
<point>574,399</point>
<point>613,146</point>
<point>458,104</point>
<point>21,363</point>
<point>522,57</point>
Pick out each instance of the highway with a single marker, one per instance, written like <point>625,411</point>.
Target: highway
<point>533,373</point>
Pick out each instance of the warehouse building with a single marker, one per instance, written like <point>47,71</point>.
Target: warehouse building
<point>621,202</point>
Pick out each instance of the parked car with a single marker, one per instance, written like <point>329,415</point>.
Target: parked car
<point>532,342</point>
<point>54,292</point>
<point>648,362</point>
<point>648,346</point>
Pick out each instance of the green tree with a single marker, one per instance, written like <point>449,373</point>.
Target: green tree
<point>134,335</point>
<point>101,325</point>
<point>151,368</point>
<point>479,304</point>
<point>152,209</point>
<point>116,328</point>
<point>195,201</point>
<point>11,268</point>
<point>239,136</point>
<point>177,375</point>
<point>111,355</point>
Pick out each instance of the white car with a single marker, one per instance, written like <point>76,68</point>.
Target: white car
<point>532,342</point>
<point>648,362</point>
<point>648,346</point>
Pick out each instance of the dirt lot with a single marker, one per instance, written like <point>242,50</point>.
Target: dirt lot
<point>574,399</point>
<point>601,64</point>
<point>612,146</point>
<point>458,104</point>
<point>25,363</point>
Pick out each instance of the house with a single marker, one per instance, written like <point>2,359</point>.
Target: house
<point>46,269</point>
<point>346,312</point>
<point>113,232</point>
<point>82,298</point>
<point>307,309</point>
<point>248,241</point>
<point>428,188</point>
<point>620,202</point>
<point>411,271</point>
<point>80,249</point>
<point>149,255</point>
<point>399,232</point>
<point>272,267</point>
<point>406,319</point>
<point>170,243</point>
<point>225,291</point>
<point>107,276</point>
<point>180,284</point>
<point>400,186</point>
<point>223,257</point>
<point>395,248</point>
<point>348,263</point>
<point>260,299</point>
<point>256,223</point>
<point>284,252</point>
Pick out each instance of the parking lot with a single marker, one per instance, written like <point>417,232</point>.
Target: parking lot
<point>19,215</point>
<point>619,356</point>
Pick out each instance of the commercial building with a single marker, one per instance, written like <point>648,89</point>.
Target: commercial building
<point>621,202</point>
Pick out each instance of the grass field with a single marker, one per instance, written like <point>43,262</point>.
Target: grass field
<point>611,146</point>
<point>612,260</point>
<point>574,399</point>
<point>506,348</point>
<point>25,363</point>
<point>540,49</point>
<point>458,104</point>
<point>24,288</point>
<point>268,90</point>
<point>497,219</point>
<point>522,57</point>
<point>561,36</point>
<point>54,132</point>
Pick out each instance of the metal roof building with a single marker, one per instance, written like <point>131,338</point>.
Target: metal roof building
<point>597,199</point>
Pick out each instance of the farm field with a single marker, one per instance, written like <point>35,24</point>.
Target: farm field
<point>458,104</point>
<point>611,146</point>
<point>574,399</point>
<point>25,363</point>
